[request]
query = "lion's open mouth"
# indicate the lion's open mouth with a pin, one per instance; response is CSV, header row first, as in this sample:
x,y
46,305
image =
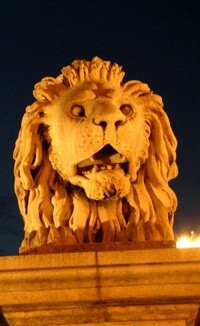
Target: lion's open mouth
x,y
106,159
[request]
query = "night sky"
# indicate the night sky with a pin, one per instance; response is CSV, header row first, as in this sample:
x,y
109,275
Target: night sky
x,y
156,41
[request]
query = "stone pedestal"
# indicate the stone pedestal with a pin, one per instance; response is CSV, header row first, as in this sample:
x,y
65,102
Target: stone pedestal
x,y
155,287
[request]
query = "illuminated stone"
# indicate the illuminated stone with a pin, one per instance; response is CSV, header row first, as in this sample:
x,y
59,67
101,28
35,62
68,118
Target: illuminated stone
x,y
118,288
93,160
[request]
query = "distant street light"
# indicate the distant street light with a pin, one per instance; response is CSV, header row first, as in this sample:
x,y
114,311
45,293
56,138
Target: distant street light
x,y
192,241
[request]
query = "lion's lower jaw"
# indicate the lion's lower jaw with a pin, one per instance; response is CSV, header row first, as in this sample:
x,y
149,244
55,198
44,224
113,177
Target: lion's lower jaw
x,y
107,184
59,239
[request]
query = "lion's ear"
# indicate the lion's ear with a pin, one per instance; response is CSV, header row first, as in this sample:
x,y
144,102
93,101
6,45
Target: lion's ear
x,y
135,88
48,89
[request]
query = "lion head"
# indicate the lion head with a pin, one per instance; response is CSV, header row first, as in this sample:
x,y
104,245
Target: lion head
x,y
93,160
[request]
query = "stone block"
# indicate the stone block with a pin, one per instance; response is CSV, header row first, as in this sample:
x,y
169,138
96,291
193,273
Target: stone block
x,y
156,287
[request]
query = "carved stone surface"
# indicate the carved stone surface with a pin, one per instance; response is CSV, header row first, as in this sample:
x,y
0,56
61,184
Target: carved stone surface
x,y
93,160
114,288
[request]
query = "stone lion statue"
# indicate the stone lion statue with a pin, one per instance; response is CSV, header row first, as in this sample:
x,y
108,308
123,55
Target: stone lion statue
x,y
93,160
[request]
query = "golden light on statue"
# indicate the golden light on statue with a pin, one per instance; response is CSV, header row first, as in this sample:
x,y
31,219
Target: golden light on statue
x,y
93,161
192,241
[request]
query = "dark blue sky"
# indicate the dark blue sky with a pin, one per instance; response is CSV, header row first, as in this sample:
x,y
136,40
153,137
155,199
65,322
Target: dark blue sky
x,y
155,41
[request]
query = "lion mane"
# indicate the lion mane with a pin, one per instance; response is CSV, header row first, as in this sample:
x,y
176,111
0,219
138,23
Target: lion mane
x,y
58,205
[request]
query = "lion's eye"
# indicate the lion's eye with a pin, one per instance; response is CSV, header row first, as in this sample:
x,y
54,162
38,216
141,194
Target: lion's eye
x,y
127,110
77,111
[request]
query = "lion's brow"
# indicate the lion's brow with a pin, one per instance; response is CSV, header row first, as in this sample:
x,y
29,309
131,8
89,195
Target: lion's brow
x,y
83,94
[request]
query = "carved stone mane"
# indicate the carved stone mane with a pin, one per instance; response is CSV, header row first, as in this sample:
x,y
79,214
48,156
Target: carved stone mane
x,y
93,160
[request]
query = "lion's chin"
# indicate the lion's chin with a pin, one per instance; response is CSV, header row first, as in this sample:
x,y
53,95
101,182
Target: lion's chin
x,y
104,185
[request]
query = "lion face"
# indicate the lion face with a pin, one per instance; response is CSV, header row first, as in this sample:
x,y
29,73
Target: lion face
x,y
97,135
93,160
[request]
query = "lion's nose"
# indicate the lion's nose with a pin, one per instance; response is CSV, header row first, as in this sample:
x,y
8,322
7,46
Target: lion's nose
x,y
106,120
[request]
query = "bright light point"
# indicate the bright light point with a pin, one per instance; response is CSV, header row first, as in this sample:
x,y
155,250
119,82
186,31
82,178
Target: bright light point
x,y
188,242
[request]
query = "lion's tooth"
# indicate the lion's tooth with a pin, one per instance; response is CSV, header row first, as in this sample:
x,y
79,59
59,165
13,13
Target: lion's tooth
x,y
109,167
95,169
102,167
73,171
117,166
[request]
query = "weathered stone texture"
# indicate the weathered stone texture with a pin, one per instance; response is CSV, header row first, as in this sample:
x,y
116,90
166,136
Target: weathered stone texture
x,y
93,160
134,287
